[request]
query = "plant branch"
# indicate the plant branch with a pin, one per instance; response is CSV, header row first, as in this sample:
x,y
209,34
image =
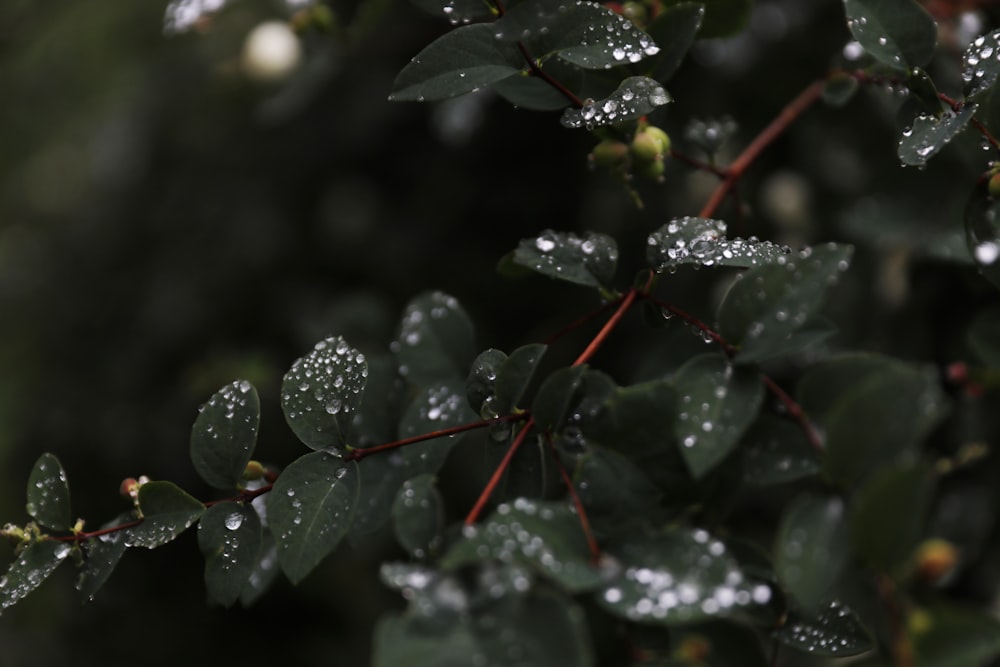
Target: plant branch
x,y
734,172
623,306
595,551
579,322
491,486
360,453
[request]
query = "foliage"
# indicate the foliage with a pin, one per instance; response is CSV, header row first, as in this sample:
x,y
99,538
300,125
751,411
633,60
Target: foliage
x,y
616,503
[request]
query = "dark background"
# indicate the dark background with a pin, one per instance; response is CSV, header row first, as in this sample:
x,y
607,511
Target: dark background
x,y
168,224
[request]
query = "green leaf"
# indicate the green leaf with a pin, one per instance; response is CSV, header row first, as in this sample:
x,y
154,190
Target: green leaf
x,y
515,374
310,509
680,576
716,403
702,241
589,260
480,386
555,396
382,402
982,233
48,494
981,64
229,536
37,561
103,554
264,572
526,91
636,96
418,516
544,535
723,18
674,30
930,133
810,550
321,392
955,636
167,511
833,631
983,336
870,410
460,61
398,640
225,433
766,305
923,90
615,491
776,451
897,33
582,33
888,514
435,340
436,407
456,11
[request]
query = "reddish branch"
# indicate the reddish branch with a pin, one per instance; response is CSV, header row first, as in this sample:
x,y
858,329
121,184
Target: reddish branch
x,y
358,454
595,551
498,473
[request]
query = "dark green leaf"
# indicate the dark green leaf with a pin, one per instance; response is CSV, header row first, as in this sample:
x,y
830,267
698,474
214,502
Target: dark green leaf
x,y
716,403
418,516
636,96
545,535
981,64
382,402
310,509
703,241
103,554
48,494
38,560
321,392
680,576
983,336
888,514
436,407
588,260
952,636
480,386
614,490
265,571
929,134
225,433
555,397
833,631
923,90
897,33
167,511
723,18
229,536
767,304
982,233
515,375
435,340
674,30
870,410
810,551
456,11
399,641
461,61
535,94
777,451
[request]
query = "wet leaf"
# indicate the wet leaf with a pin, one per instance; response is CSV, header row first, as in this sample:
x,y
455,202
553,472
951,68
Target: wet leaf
x,y
776,451
103,554
167,511
768,304
703,241
588,260
680,576
953,636
810,550
716,403
897,33
264,572
400,641
436,407
982,233
674,30
582,33
435,340
229,537
544,535
555,397
923,90
38,560
833,631
456,11
981,64
636,96
460,61
870,410
614,490
888,514
321,392
310,509
418,516
48,494
515,374
382,402
723,18
526,91
929,134
225,433
480,386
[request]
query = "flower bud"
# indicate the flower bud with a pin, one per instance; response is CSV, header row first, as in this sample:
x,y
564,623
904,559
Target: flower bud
x,y
935,560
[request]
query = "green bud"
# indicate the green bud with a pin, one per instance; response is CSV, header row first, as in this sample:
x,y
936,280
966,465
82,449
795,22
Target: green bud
x,y
609,153
661,137
652,171
253,471
646,147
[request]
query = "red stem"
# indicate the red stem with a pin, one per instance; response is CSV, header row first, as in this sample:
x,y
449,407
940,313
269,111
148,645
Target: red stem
x,y
360,453
498,473
595,551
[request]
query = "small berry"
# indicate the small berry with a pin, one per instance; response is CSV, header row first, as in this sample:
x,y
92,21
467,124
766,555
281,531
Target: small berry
x,y
660,136
651,170
646,147
935,560
609,153
129,487
994,185
634,12
253,471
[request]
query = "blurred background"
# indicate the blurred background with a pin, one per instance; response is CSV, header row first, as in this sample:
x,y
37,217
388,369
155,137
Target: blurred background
x,y
174,214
